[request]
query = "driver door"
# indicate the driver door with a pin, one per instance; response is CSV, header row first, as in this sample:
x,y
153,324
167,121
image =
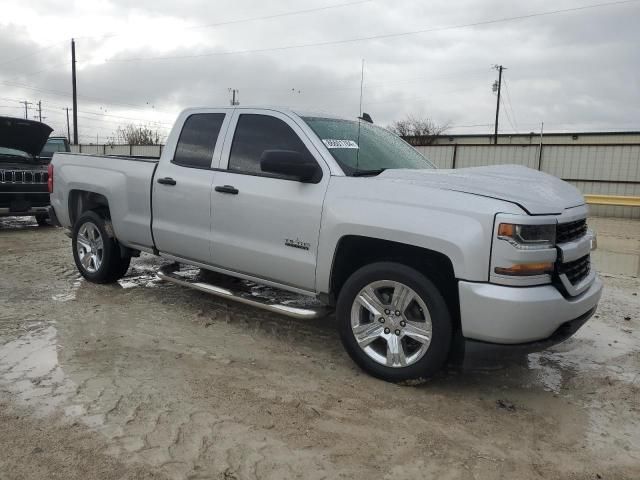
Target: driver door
x,y
264,225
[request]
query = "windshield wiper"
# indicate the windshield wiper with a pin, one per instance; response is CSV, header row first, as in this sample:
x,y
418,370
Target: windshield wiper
x,y
368,173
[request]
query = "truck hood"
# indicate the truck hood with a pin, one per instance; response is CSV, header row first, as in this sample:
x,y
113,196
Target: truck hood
x,y
538,193
24,135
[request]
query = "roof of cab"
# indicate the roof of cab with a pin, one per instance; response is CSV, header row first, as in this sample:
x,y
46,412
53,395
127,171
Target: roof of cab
x,y
277,108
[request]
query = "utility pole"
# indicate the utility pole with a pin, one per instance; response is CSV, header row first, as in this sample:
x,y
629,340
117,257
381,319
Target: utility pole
x,y
540,146
40,110
26,108
234,91
68,130
75,94
497,86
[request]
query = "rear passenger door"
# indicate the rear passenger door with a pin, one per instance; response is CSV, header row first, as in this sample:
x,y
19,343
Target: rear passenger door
x,y
264,225
182,187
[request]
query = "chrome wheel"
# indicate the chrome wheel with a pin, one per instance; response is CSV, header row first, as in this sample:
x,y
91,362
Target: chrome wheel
x,y
391,323
90,247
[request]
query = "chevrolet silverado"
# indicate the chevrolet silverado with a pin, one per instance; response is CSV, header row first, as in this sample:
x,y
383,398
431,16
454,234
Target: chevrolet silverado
x,y
409,256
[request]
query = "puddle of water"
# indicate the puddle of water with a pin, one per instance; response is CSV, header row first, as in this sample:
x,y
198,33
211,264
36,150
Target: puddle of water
x,y
29,368
596,347
15,223
139,281
142,273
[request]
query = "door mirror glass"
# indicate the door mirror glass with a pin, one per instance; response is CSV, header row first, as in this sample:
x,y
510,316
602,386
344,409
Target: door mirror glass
x,y
290,164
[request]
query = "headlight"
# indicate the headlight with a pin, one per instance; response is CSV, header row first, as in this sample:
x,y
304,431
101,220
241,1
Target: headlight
x,y
528,237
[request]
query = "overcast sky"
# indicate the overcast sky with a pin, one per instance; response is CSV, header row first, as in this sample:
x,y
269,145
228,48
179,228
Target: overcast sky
x,y
141,62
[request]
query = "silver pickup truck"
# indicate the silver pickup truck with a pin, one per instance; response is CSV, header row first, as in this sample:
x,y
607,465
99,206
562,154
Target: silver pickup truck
x,y
409,256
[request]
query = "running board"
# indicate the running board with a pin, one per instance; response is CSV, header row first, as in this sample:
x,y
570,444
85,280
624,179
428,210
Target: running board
x,y
245,292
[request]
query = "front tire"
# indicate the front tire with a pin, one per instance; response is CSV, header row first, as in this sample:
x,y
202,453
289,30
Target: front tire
x,y
97,255
394,322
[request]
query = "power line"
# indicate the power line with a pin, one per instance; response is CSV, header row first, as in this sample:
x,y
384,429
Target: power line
x,y
60,93
194,27
26,108
466,73
506,113
113,122
37,52
508,95
339,87
51,67
378,37
280,15
473,125
101,114
244,20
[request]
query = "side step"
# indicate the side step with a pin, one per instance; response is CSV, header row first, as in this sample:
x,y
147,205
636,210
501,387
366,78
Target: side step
x,y
243,291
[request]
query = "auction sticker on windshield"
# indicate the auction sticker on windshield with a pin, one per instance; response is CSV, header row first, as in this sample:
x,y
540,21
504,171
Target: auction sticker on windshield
x,y
332,143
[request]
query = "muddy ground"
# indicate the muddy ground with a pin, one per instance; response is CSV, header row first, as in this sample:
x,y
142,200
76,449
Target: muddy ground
x,y
149,380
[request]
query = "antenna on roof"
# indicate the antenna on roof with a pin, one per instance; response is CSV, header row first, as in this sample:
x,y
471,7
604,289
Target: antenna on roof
x,y
361,85
360,115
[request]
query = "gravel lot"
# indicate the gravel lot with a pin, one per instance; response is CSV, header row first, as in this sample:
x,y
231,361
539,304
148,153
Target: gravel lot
x,y
144,379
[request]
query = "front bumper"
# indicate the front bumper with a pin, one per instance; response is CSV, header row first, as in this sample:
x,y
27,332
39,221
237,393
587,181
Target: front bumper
x,y
514,315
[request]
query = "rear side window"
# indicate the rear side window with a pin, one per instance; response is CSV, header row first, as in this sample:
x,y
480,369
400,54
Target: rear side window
x,y
198,140
257,133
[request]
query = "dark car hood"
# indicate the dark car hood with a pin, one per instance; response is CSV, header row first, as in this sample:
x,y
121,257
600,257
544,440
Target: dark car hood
x,y
24,135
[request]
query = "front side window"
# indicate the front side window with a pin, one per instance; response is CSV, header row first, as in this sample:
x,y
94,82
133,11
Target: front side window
x,y
198,140
359,146
257,133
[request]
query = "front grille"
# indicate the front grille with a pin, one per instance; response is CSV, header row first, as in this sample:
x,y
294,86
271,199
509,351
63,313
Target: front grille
x,y
568,232
576,270
23,176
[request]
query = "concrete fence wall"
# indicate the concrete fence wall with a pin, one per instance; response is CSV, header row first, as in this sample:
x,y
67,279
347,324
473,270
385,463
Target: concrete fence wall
x,y
126,150
594,169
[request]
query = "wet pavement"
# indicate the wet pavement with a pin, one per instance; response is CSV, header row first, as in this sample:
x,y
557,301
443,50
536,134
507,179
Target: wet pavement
x,y
144,379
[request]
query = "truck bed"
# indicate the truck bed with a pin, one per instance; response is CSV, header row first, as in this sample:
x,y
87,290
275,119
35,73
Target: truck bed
x,y
125,181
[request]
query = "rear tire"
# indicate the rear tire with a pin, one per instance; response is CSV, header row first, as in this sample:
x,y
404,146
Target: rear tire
x,y
97,255
394,322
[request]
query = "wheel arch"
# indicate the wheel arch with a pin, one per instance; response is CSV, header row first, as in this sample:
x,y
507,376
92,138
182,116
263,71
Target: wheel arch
x,y
81,201
353,252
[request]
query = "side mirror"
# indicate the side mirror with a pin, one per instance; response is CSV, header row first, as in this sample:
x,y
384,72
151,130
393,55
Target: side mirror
x,y
290,164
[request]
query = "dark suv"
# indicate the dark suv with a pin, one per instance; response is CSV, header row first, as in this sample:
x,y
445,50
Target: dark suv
x,y
25,152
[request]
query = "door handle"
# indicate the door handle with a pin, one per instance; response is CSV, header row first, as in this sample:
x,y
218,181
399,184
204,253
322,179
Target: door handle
x,y
167,181
227,189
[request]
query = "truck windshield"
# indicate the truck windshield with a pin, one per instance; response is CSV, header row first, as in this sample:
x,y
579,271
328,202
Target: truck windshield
x,y
52,146
372,149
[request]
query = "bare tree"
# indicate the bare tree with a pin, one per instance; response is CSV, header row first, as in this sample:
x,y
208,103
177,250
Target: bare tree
x,y
418,131
136,135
